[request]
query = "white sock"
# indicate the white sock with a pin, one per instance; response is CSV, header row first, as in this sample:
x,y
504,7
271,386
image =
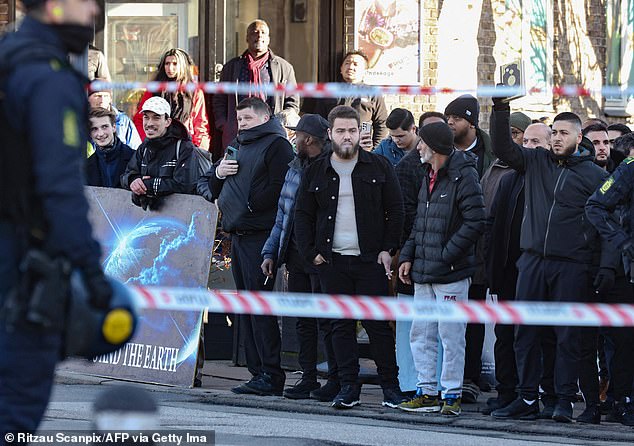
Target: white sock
x,y
529,402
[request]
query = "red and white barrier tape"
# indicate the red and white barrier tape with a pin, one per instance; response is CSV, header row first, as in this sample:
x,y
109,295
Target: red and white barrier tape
x,y
382,308
328,90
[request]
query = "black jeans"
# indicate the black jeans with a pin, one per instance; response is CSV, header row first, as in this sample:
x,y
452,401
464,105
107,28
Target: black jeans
x,y
260,334
303,278
474,337
350,275
549,280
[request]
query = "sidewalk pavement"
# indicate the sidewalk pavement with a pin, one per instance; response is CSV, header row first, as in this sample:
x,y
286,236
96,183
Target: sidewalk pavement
x,y
220,376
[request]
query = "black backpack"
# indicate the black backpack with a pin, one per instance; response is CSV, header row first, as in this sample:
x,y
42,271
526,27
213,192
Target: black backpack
x,y
201,162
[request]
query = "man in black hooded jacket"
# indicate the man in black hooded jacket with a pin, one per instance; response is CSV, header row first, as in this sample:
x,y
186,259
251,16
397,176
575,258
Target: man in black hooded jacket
x,y
557,245
247,186
162,163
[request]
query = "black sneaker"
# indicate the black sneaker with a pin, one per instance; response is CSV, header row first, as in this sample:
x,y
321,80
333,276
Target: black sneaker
x,y
592,415
470,392
622,412
392,397
243,389
563,412
263,385
348,397
327,392
497,403
518,410
301,390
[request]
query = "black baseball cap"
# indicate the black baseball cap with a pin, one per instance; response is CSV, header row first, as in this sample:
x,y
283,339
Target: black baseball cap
x,y
314,125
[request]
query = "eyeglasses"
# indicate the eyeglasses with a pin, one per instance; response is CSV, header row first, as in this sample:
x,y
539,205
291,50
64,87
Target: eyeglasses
x,y
516,133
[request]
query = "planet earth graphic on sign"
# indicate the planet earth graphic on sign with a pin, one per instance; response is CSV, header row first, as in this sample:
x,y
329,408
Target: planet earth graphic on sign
x,y
155,252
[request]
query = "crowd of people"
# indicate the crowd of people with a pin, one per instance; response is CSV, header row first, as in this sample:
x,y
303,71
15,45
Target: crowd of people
x,y
352,200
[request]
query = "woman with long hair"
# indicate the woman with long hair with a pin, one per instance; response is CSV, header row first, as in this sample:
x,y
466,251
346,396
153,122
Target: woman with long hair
x,y
187,107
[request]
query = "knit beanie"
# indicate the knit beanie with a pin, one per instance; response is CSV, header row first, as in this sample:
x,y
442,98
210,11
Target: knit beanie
x,y
465,106
438,136
520,121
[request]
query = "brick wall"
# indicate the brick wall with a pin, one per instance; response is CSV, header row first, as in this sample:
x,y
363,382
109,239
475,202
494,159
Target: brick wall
x,y
4,13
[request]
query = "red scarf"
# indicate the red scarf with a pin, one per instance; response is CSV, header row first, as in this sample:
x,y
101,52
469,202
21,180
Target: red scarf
x,y
254,66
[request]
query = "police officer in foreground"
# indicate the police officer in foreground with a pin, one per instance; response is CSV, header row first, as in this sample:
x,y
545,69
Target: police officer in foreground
x,y
44,230
616,196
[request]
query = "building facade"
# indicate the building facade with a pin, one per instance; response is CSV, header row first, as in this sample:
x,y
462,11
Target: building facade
x,y
449,43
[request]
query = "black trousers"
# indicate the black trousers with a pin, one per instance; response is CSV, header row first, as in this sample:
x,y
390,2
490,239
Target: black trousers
x,y
260,334
303,278
503,351
549,280
474,336
621,364
350,275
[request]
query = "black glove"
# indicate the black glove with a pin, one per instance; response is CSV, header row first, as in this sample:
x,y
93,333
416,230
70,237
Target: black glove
x,y
604,281
501,103
98,287
140,201
628,250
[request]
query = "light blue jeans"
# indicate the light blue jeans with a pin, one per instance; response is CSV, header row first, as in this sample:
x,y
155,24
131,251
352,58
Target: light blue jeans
x,y
424,340
407,375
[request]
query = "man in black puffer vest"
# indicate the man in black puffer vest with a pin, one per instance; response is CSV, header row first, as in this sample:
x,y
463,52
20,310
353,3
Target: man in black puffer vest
x,y
439,257
248,188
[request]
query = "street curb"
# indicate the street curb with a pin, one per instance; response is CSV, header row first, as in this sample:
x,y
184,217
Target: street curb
x,y
467,421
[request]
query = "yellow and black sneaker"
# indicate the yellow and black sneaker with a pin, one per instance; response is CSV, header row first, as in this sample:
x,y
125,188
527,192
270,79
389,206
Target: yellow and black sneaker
x,y
451,406
421,402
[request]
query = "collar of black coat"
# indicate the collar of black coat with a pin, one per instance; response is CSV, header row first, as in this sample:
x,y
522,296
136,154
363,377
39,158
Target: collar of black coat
x,y
454,164
365,157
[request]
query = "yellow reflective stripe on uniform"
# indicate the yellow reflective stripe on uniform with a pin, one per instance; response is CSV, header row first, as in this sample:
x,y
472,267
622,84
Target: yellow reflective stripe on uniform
x,y
71,128
629,159
608,184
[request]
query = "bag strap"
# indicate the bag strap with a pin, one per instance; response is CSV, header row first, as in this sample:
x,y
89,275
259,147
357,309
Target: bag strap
x,y
178,148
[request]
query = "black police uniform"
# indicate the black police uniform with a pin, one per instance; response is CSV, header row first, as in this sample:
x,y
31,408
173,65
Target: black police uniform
x,y
617,192
45,107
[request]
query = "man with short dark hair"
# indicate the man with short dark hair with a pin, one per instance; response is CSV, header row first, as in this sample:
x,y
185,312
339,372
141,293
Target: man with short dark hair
x,y
431,116
615,131
105,167
257,65
371,109
126,131
161,165
247,188
558,248
349,215
597,134
311,135
403,138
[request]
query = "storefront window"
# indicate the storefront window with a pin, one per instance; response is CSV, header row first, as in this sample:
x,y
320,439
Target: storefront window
x,y
137,34
620,52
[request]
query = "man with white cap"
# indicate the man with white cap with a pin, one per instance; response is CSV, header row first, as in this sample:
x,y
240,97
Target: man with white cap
x,y
161,165
439,258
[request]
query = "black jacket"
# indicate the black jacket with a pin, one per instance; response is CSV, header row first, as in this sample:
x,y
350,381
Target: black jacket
x,y
97,171
448,223
157,159
555,225
248,199
504,223
378,207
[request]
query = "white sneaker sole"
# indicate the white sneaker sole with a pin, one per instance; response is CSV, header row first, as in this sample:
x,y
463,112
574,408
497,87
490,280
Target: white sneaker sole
x,y
432,409
342,405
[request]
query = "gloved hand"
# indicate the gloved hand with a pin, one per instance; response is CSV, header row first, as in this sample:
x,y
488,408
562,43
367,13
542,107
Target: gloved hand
x,y
98,287
604,281
501,103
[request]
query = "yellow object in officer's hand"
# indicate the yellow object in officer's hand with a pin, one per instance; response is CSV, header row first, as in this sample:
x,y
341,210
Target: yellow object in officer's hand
x,y
117,326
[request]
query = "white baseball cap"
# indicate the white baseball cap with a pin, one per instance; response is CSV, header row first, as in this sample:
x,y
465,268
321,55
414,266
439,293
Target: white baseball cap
x,y
157,105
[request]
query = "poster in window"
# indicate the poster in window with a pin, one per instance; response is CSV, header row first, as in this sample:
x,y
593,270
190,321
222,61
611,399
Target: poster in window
x,y
388,32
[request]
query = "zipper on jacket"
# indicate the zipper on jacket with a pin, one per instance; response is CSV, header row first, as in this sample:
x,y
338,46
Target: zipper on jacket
x,y
550,214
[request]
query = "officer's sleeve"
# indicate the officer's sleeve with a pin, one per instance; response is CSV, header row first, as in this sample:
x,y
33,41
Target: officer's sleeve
x,y
601,205
55,112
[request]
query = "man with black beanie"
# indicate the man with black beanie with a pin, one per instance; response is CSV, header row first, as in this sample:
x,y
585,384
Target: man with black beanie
x,y
439,257
463,114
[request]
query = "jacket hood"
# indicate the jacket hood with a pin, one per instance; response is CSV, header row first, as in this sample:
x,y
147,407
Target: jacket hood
x,y
585,152
457,161
175,131
271,127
